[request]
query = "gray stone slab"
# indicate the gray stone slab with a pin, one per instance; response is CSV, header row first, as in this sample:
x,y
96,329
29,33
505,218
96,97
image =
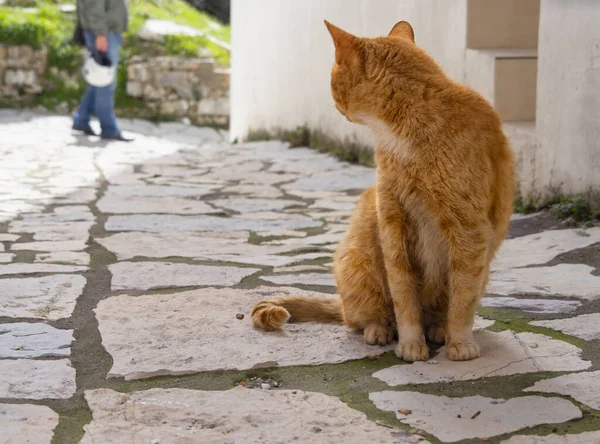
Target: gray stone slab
x,y
176,334
6,258
302,279
5,237
158,223
55,231
575,280
256,191
235,416
543,306
20,268
116,204
579,438
143,190
586,326
244,205
320,239
583,387
269,260
63,257
34,379
180,244
74,245
502,353
27,423
352,178
539,248
23,340
439,415
49,297
147,275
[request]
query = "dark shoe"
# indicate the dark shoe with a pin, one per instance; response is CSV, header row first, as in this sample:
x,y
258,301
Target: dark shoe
x,y
119,137
88,131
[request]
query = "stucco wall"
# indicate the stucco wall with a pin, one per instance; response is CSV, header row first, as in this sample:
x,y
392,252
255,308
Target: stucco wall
x,y
282,55
568,99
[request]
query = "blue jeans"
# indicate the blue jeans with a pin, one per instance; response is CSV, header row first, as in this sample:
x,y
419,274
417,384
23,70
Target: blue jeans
x,y
100,101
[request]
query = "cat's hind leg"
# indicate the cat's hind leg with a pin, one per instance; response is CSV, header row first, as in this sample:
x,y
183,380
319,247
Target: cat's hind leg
x,y
360,275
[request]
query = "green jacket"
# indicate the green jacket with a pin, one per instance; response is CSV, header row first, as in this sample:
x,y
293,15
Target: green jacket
x,y
103,16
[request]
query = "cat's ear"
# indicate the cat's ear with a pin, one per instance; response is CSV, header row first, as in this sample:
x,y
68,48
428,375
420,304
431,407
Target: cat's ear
x,y
402,30
346,45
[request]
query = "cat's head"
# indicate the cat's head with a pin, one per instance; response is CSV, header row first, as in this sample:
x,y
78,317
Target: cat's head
x,y
370,72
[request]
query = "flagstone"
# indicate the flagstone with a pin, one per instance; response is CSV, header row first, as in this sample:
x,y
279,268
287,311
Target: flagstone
x,y
24,340
6,258
270,260
21,268
27,423
116,204
586,326
158,223
302,278
502,354
539,248
147,275
351,178
176,334
583,387
72,245
237,415
49,297
575,280
578,438
245,205
64,257
453,419
543,306
35,379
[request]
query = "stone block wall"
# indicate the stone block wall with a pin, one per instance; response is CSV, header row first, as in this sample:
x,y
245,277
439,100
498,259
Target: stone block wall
x,y
173,87
184,87
22,70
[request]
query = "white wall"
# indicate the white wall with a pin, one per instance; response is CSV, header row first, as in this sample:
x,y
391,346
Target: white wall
x,y
568,99
282,55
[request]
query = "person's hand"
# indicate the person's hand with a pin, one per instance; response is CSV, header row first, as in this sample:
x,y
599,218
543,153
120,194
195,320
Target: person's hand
x,y
102,43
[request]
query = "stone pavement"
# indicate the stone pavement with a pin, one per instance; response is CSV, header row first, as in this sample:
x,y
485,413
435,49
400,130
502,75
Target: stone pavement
x,y
128,271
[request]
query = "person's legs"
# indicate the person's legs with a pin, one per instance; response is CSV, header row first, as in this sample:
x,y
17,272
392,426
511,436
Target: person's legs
x,y
81,119
105,97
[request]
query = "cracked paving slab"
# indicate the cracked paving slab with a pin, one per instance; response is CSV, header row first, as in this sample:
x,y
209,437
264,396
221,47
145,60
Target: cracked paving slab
x,y
237,415
504,353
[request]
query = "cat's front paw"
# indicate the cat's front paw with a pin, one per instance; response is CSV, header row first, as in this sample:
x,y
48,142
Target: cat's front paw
x,y
413,351
462,351
377,334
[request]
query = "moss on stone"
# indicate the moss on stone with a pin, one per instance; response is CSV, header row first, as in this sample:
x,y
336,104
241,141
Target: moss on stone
x,y
302,136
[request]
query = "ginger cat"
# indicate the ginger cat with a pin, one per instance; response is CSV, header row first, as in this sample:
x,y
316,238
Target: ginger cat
x,y
416,257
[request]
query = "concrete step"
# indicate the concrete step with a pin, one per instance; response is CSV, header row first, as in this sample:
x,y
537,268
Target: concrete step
x,y
502,23
507,77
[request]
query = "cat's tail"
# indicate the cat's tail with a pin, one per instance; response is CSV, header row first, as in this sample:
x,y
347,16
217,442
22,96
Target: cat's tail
x,y
271,314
